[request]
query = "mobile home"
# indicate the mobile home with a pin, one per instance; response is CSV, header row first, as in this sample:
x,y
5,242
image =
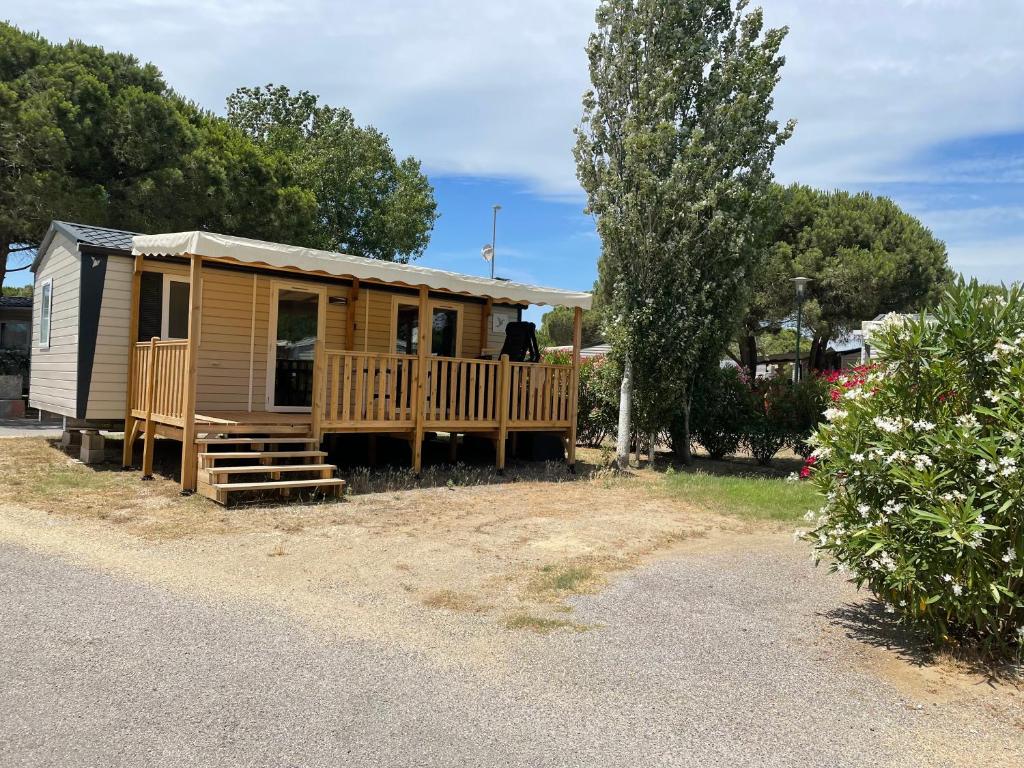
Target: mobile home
x,y
249,352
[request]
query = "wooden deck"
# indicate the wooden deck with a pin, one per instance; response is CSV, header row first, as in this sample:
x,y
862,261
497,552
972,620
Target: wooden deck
x,y
363,392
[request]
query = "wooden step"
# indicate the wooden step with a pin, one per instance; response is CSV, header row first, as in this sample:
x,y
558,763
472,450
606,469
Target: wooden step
x,y
270,468
332,482
262,455
255,440
219,491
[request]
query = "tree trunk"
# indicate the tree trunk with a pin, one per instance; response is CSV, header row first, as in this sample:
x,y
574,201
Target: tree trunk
x,y
686,454
748,354
5,252
652,441
625,416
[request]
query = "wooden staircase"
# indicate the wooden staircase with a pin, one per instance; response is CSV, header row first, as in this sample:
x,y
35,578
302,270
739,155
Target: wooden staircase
x,y
276,463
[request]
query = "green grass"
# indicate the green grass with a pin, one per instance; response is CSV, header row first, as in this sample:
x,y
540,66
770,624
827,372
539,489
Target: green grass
x,y
749,496
540,624
563,579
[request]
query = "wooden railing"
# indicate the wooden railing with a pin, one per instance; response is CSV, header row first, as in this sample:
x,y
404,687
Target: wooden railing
x,y
368,391
462,392
539,394
158,380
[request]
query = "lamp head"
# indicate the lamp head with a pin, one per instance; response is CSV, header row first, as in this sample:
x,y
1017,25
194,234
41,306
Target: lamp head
x,y
801,285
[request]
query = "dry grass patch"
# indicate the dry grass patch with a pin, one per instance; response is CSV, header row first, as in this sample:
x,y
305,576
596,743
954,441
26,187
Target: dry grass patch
x,y
564,579
540,624
452,600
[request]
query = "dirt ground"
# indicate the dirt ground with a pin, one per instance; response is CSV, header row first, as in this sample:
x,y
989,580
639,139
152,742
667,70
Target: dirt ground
x,y
440,567
505,551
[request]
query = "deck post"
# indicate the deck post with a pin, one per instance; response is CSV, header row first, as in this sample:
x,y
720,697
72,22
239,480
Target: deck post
x,y
150,433
130,423
423,356
189,458
504,390
316,411
574,395
350,315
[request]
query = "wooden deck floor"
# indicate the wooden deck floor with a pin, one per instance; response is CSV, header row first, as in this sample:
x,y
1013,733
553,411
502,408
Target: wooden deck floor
x,y
240,418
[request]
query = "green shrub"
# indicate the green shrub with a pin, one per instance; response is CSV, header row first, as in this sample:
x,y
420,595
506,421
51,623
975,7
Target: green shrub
x,y
720,411
598,415
922,464
768,427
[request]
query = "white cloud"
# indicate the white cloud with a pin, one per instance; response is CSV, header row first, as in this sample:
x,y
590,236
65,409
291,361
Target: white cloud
x,y
494,88
994,260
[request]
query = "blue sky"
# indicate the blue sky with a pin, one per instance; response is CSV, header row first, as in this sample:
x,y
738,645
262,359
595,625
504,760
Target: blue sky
x,y
921,100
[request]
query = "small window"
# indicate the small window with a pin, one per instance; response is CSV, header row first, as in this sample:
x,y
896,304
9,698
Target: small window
x,y
45,314
174,323
408,329
446,332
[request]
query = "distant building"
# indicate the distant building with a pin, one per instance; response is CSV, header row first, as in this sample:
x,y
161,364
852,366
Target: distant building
x,y
16,322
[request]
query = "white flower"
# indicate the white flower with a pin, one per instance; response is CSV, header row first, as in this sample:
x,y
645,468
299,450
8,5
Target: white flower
x,y
857,458
993,396
1010,556
923,426
886,425
834,414
892,507
967,420
852,394
822,452
947,578
896,456
889,608
809,515
792,477
798,534
957,590
921,462
1020,632
864,510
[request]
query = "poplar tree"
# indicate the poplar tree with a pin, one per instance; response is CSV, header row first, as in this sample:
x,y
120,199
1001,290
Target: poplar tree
x,y
674,149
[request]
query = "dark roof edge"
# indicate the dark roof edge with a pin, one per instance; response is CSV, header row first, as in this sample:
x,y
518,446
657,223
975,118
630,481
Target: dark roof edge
x,y
65,229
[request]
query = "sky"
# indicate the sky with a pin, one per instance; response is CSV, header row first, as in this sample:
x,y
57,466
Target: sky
x,y
920,100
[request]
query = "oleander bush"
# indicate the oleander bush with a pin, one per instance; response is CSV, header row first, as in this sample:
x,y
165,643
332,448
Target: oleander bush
x,y
920,462
598,414
720,410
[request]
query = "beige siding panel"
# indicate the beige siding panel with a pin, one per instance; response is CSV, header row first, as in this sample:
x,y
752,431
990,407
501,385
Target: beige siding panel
x,y
109,385
225,349
53,378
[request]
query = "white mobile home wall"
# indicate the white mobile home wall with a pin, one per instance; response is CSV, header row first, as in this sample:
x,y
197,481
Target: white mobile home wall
x,y
54,375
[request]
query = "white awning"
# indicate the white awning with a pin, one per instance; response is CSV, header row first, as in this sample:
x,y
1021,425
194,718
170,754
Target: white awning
x,y
241,249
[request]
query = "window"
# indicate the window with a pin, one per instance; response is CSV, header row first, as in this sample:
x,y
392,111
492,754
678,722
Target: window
x,y
174,323
14,335
407,335
445,331
445,340
45,313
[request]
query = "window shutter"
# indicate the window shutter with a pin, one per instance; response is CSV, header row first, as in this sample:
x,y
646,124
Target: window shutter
x,y
151,294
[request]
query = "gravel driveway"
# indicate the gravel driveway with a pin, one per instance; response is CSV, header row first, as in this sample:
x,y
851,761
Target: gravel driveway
x,y
716,659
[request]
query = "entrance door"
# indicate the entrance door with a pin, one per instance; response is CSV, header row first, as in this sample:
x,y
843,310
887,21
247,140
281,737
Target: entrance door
x,y
295,321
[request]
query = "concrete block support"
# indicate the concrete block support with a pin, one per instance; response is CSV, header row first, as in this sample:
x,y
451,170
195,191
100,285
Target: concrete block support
x,y
93,447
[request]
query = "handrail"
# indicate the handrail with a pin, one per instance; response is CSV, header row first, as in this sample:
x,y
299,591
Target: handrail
x,y
378,391
158,379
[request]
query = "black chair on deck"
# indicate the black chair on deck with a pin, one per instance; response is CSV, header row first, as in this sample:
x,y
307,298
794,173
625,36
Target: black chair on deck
x,y
521,343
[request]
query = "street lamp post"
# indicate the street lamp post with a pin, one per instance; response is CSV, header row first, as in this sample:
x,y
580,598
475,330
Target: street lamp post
x,y
494,236
801,287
